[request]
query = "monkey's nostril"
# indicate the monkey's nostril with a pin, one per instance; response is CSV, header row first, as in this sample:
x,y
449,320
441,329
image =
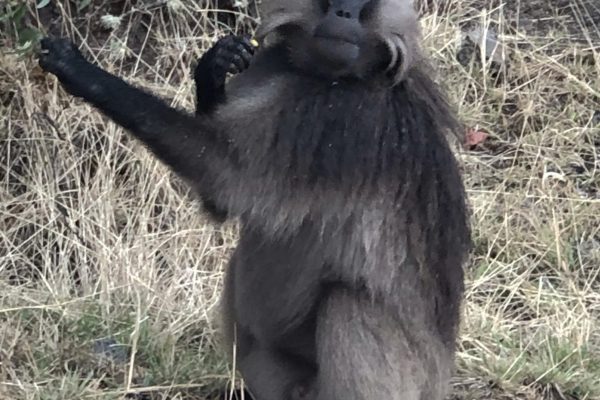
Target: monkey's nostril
x,y
343,14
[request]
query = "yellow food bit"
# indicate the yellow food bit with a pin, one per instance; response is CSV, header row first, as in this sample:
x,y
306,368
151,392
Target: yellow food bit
x,y
254,42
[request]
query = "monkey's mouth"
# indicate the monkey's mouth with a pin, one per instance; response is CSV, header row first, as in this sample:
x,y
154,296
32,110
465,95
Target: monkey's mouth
x,y
338,52
338,41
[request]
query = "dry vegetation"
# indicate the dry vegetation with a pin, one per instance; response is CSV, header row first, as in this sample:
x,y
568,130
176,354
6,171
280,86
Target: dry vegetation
x,y
109,275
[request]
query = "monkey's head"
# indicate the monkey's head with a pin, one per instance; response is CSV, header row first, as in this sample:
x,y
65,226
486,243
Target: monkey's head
x,y
345,38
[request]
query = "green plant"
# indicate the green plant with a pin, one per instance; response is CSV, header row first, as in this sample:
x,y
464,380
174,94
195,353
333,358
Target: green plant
x,y
12,17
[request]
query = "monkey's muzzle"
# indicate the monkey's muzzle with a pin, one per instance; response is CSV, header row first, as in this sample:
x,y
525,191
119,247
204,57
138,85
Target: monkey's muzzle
x,y
337,40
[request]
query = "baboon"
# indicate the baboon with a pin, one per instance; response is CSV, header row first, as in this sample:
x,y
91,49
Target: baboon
x,y
331,145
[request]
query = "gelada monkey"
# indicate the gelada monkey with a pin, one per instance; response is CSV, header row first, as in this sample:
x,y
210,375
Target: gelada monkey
x,y
331,145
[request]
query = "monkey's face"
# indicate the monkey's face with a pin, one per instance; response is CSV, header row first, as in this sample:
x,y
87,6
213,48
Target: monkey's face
x,y
345,38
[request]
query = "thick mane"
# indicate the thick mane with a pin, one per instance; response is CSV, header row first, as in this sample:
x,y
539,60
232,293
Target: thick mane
x,y
358,151
393,144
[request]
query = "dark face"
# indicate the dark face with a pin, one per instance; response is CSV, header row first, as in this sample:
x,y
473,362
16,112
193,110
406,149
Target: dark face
x,y
345,38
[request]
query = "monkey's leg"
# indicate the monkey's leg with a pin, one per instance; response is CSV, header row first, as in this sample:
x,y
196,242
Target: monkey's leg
x,y
271,317
231,54
272,375
190,147
269,372
364,352
276,368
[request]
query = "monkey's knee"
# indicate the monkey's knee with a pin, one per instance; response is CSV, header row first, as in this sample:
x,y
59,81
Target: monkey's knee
x,y
271,375
303,390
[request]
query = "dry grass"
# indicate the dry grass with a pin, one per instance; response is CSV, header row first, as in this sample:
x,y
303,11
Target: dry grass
x,y
100,244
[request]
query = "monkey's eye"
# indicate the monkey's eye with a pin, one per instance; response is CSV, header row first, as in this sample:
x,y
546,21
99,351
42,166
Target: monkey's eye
x,y
324,5
368,10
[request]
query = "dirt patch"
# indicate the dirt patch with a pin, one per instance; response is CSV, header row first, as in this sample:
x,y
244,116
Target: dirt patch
x,y
578,18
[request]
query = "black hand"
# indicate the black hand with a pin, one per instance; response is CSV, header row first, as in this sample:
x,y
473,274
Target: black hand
x,y
231,54
61,58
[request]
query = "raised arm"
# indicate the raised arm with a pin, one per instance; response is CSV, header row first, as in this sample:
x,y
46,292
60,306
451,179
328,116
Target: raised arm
x,y
192,148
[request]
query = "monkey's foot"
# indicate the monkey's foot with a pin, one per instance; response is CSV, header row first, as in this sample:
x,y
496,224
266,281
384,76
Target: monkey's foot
x,y
231,54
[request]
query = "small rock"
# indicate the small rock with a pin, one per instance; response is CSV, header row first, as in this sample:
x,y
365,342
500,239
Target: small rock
x,y
110,349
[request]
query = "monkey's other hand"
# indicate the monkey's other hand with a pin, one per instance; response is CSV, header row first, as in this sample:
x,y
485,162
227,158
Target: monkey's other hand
x,y
59,56
231,54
